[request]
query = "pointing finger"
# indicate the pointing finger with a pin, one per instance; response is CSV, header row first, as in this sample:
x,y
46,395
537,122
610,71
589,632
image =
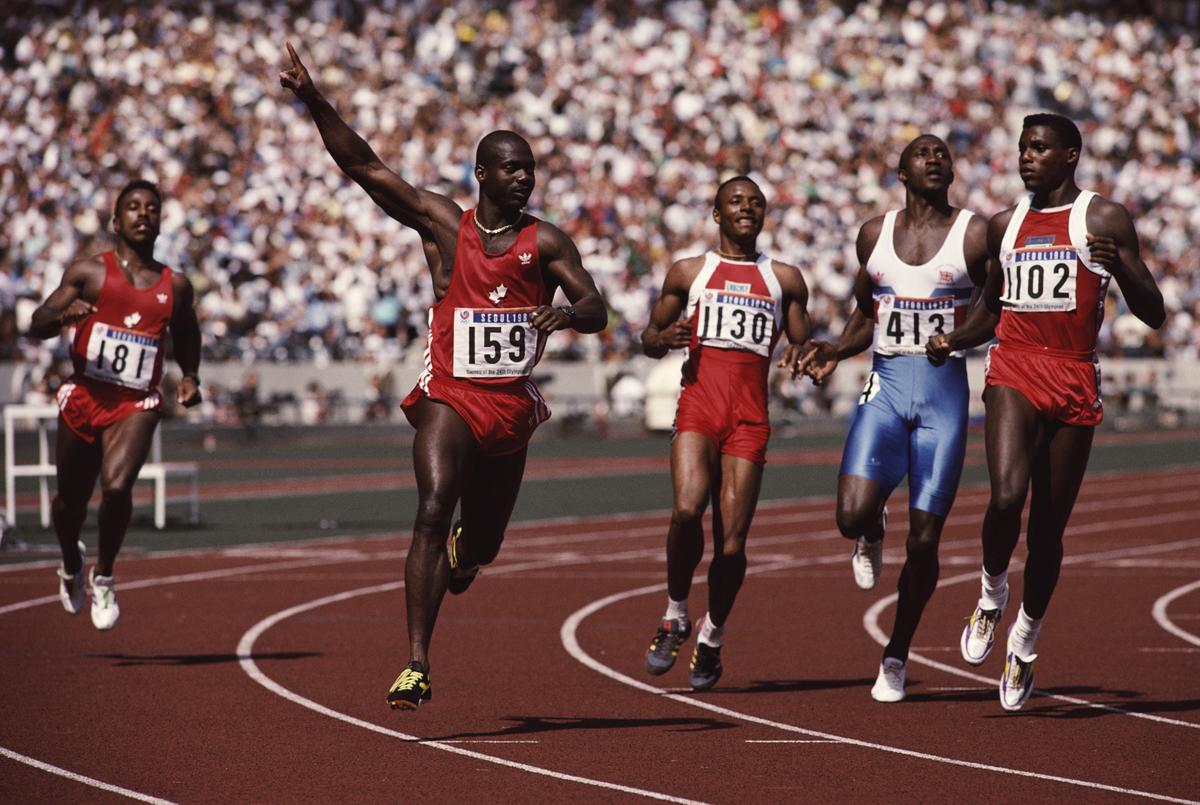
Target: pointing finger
x,y
295,59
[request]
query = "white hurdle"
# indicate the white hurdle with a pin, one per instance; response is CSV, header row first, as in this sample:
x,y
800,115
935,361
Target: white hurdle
x,y
41,417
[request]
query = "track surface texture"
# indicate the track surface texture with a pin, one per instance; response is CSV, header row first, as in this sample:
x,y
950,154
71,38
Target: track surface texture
x,y
244,670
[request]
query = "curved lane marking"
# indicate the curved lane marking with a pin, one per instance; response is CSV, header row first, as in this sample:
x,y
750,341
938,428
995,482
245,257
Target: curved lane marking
x,y
245,650
1159,611
871,616
568,635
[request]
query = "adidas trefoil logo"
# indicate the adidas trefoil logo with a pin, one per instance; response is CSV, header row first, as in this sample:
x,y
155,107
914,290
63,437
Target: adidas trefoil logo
x,y
162,298
498,294
132,319
526,258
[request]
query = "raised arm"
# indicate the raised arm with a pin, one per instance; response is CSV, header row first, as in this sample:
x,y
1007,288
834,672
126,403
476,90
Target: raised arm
x,y
68,304
563,268
666,330
1113,243
431,214
185,337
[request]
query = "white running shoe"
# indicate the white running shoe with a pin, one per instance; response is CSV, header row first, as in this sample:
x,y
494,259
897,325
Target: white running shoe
x,y
1016,686
72,589
979,634
867,559
889,685
104,601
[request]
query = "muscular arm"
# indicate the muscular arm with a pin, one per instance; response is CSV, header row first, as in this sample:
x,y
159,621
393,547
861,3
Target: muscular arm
x,y
563,268
666,331
1113,243
185,337
434,216
980,326
859,330
71,301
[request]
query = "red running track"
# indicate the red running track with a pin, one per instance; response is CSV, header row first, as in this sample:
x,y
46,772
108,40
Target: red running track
x,y
259,674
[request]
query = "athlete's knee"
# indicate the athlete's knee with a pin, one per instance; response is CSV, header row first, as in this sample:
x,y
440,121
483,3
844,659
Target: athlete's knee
x,y
733,545
116,490
854,519
433,516
1008,496
63,507
687,512
921,546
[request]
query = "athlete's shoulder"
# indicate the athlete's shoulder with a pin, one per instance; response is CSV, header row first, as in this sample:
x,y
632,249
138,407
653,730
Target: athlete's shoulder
x,y
868,235
683,272
789,277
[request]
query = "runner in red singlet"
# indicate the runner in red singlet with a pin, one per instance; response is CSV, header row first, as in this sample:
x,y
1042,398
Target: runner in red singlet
x,y
1052,257
122,303
495,271
728,308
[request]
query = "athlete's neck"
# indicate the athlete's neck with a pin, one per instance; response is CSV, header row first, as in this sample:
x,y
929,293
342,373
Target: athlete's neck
x,y
132,259
1059,196
746,251
922,210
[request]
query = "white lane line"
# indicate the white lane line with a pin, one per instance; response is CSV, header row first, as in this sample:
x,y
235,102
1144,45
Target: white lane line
x,y
1171,650
871,616
245,652
568,635
80,778
794,741
796,510
482,741
1159,611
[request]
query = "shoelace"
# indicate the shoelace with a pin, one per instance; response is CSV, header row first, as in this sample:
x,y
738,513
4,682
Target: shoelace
x,y
985,626
408,679
1015,673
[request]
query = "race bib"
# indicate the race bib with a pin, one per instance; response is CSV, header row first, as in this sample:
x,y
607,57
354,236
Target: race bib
x,y
904,325
737,321
122,357
1040,279
494,343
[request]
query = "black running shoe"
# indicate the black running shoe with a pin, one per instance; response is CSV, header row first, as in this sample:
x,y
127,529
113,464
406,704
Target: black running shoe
x,y
461,574
410,688
706,666
672,634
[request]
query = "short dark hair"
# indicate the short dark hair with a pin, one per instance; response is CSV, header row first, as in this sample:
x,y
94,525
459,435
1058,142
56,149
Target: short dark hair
x,y
1064,127
912,144
730,181
485,152
136,184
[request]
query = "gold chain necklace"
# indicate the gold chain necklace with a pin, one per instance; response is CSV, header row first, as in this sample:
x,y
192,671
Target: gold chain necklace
x,y
745,258
498,229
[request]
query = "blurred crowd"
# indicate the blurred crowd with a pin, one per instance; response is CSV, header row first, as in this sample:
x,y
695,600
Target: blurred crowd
x,y
635,111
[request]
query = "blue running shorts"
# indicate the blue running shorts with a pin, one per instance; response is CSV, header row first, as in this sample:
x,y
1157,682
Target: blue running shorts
x,y
911,419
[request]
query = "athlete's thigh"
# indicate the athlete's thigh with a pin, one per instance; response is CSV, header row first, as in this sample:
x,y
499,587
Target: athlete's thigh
x,y
491,493
741,481
77,464
125,445
876,446
1058,475
443,452
937,448
1013,433
693,459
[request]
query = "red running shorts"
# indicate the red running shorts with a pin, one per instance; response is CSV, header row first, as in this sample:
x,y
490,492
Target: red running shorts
x,y
502,417
728,406
1062,388
88,409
